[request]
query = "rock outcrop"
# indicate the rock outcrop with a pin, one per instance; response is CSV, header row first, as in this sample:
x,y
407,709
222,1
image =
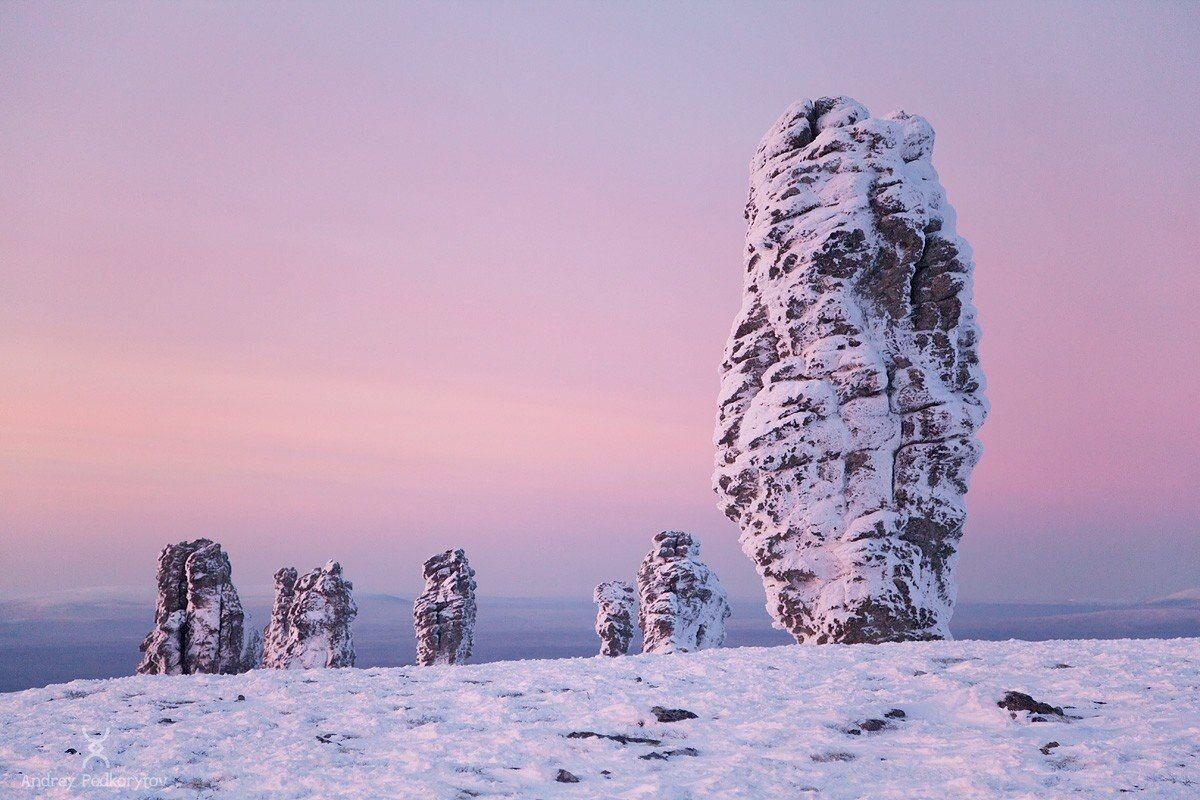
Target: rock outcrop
x,y
310,620
851,389
444,613
198,620
616,602
683,607
279,625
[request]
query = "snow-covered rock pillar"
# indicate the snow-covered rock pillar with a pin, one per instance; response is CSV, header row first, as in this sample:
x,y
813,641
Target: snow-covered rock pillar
x,y
850,388
279,625
615,601
444,613
198,619
310,620
683,606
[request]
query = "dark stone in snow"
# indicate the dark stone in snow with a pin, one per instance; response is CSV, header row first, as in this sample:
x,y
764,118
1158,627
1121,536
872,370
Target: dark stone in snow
x,y
825,758
616,737
72,751
1019,701
873,724
663,755
1047,747
671,714
565,777
895,713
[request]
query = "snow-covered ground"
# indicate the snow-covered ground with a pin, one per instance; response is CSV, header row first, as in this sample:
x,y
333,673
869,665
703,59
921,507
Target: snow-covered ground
x,y
770,722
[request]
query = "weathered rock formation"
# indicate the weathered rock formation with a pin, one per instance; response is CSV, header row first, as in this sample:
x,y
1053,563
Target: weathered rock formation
x,y
198,620
310,620
683,607
851,389
444,613
616,601
279,625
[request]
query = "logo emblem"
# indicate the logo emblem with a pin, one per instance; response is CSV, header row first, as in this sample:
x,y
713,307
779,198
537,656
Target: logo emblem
x,y
95,747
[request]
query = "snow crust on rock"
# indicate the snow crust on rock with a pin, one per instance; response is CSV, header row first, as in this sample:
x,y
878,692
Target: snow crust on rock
x,y
198,618
278,626
683,606
770,722
310,620
444,613
616,602
850,387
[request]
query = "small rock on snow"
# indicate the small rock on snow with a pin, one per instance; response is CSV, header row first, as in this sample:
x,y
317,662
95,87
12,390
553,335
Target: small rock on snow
x,y
671,714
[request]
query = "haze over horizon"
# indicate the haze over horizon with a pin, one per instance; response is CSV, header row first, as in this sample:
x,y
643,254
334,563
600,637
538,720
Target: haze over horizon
x,y
368,288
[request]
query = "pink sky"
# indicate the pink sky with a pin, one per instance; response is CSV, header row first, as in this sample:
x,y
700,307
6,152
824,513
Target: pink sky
x,y
369,284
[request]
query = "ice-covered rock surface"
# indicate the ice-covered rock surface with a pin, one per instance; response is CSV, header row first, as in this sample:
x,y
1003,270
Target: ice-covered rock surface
x,y
198,620
616,602
310,620
278,626
851,389
683,607
770,722
444,613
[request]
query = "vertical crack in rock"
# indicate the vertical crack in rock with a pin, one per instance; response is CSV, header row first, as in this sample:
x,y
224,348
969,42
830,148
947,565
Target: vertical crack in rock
x,y
310,620
683,606
615,602
851,388
198,619
444,613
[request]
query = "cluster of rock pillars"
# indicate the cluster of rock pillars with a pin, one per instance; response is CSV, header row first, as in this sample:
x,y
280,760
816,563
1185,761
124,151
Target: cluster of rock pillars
x,y
201,627
850,396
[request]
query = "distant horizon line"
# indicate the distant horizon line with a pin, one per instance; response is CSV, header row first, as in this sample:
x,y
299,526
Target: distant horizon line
x,y
137,592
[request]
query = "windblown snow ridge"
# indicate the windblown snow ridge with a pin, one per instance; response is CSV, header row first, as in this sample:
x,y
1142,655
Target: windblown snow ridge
x,y
905,720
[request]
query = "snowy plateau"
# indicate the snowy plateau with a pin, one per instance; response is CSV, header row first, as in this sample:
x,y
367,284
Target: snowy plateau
x,y
904,720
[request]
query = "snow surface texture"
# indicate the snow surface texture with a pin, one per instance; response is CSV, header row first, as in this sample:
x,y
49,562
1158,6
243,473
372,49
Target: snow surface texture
x,y
444,613
310,620
851,389
771,722
683,606
198,620
616,602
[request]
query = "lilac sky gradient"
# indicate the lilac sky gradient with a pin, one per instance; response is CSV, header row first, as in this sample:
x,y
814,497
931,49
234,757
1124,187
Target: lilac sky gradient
x,y
369,282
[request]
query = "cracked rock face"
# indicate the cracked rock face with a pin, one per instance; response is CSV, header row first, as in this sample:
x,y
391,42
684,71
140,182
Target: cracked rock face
x,y
198,620
615,601
278,626
310,620
444,613
683,606
850,388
